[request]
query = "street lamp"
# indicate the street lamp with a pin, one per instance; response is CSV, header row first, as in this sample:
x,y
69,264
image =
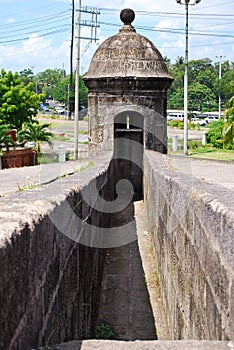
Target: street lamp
x,y
76,134
186,3
220,76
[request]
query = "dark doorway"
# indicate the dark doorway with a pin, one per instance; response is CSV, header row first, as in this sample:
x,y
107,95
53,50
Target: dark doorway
x,y
128,151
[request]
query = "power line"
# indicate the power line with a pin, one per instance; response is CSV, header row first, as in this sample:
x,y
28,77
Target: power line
x,y
223,3
35,20
173,31
43,24
30,33
174,13
26,38
54,4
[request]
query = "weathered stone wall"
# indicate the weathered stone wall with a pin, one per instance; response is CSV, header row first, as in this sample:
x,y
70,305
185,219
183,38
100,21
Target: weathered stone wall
x,y
105,104
143,345
192,230
50,284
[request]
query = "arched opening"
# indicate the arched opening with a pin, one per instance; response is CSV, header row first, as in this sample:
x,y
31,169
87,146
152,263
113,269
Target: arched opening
x,y
128,150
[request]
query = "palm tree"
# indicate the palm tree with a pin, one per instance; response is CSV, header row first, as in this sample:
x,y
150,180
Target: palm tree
x,y
228,127
37,133
5,137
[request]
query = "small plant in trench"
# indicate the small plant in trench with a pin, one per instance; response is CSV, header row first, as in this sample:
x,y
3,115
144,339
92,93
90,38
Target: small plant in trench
x,y
103,331
27,186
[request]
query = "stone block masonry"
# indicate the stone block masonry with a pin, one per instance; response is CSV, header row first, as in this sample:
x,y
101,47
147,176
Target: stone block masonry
x,y
192,226
49,285
143,345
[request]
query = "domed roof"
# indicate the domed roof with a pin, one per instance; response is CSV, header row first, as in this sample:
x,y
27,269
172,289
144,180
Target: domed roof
x,y
127,54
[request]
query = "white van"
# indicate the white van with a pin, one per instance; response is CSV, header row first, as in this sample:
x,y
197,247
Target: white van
x,y
211,118
175,116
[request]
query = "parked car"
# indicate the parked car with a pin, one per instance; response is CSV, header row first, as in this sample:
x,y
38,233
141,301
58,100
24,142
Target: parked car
x,y
44,107
60,110
175,116
199,121
210,118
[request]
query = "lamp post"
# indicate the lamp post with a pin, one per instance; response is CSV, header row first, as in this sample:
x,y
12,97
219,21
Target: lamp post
x,y
220,76
186,3
77,85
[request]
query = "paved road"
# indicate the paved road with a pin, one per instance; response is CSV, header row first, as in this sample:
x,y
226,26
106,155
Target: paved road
x,y
67,126
192,134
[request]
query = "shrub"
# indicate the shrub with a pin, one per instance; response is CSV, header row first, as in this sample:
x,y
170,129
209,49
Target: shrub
x,y
214,135
176,124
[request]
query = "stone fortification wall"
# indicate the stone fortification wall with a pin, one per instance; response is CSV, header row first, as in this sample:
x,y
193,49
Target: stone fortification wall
x,y
50,284
143,345
192,225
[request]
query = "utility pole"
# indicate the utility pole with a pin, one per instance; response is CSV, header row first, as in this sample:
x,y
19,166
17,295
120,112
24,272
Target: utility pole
x,y
92,24
186,85
186,3
71,63
77,84
220,76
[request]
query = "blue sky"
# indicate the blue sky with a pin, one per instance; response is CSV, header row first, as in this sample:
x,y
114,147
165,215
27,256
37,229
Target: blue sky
x,y
36,34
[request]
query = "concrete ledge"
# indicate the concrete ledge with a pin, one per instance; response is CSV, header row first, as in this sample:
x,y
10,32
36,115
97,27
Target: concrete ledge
x,y
142,345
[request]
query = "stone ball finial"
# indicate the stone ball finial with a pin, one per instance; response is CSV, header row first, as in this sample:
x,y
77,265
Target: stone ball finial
x,y
127,16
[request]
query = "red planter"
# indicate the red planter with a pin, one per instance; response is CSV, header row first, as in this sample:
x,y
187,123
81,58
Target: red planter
x,y
18,158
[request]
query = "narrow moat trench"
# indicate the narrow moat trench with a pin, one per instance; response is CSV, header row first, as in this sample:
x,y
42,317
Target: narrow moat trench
x,y
125,304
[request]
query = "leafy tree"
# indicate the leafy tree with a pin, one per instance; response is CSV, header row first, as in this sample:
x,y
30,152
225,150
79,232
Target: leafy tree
x,y
226,67
18,103
179,61
48,80
200,97
202,71
175,93
203,78
35,132
228,127
61,92
227,85
26,76
221,133
176,99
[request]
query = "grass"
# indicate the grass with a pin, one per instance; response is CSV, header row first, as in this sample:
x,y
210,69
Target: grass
x,y
89,165
27,187
83,132
197,150
61,138
45,158
213,154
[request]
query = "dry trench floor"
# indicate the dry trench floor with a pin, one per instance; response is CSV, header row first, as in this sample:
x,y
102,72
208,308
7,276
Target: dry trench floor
x,y
130,298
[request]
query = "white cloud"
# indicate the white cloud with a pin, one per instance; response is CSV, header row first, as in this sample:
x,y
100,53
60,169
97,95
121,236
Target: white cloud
x,y
10,20
149,5
35,51
168,24
34,44
104,4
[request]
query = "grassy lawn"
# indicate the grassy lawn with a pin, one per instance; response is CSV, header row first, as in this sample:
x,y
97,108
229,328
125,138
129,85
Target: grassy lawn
x,y
197,150
206,153
213,154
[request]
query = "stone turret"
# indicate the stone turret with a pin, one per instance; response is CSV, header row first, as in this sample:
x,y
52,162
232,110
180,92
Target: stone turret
x,y
127,74
128,54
